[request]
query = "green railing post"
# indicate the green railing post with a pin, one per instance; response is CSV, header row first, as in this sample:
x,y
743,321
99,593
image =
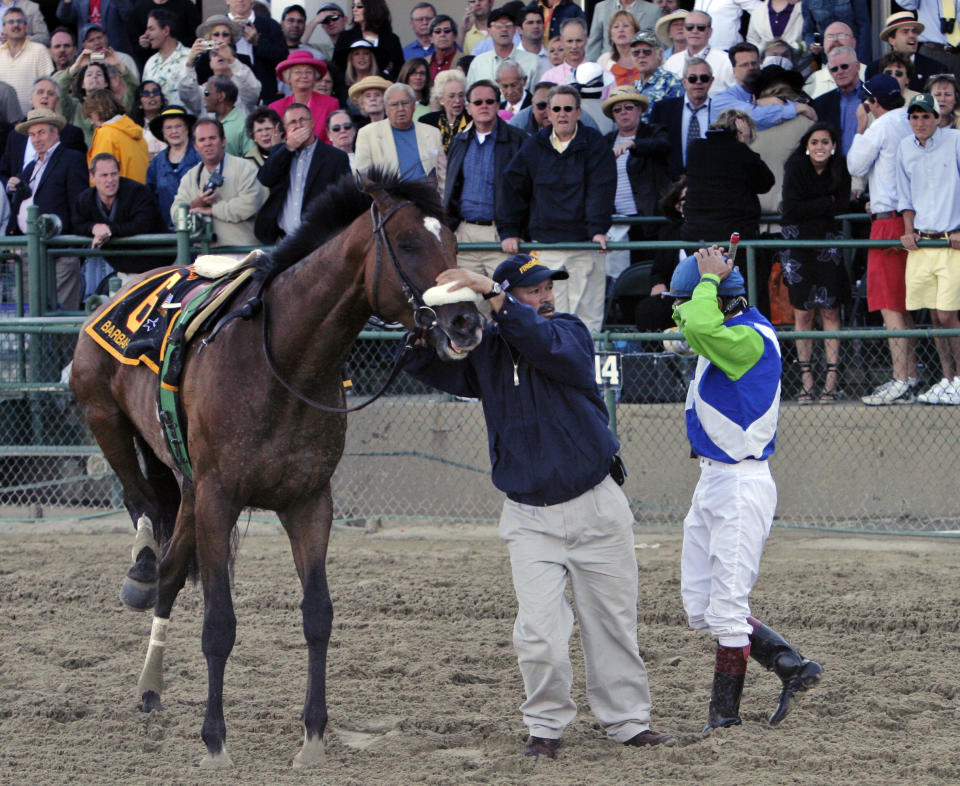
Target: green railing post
x,y
752,275
206,237
610,396
182,226
35,275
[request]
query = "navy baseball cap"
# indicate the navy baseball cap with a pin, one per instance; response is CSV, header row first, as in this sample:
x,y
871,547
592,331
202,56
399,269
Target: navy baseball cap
x,y
686,276
330,7
523,270
883,87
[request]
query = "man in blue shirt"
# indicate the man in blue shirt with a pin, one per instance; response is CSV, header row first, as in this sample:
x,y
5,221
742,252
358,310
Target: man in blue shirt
x,y
422,45
839,107
565,517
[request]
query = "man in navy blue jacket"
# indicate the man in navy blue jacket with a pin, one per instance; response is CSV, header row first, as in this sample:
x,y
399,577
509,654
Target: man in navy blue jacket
x,y
561,187
554,456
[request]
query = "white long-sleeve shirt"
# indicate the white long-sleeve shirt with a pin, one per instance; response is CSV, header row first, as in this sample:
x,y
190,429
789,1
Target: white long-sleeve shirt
x,y
725,16
874,153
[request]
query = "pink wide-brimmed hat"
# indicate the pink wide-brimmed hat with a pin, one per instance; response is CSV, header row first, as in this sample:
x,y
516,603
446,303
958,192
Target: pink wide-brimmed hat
x,y
301,57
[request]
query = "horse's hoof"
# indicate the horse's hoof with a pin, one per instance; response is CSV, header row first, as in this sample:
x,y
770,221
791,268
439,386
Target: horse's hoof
x,y
138,595
150,701
216,761
312,752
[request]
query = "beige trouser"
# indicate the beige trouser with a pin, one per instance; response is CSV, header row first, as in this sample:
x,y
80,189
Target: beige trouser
x,y
482,262
583,293
588,541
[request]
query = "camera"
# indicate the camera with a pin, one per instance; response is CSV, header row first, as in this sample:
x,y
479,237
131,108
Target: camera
x,y
818,39
215,181
97,57
207,44
946,25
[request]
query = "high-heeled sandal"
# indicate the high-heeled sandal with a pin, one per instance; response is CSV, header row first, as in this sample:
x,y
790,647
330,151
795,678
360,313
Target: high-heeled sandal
x,y
830,395
806,395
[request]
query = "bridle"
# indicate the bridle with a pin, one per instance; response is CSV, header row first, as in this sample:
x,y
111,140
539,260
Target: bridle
x,y
424,317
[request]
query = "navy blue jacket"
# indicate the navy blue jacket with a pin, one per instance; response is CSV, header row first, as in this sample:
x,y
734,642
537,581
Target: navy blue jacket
x,y
553,197
548,433
508,142
62,182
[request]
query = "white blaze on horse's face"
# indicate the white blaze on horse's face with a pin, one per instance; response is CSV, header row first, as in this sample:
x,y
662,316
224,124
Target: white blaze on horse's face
x,y
433,226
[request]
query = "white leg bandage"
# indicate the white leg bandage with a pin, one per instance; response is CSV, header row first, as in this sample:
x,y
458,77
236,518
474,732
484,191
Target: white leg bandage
x,y
151,678
144,539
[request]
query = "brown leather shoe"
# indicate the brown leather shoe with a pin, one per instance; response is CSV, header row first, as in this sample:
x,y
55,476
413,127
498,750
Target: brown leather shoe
x,y
650,737
537,746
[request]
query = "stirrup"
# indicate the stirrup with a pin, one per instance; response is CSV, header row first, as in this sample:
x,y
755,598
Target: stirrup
x,y
806,395
831,396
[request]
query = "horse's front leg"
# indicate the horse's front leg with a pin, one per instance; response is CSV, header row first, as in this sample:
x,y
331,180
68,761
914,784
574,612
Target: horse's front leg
x,y
214,517
308,527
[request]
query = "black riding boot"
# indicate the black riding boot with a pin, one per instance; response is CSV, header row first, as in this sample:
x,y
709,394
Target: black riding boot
x,y
775,654
728,676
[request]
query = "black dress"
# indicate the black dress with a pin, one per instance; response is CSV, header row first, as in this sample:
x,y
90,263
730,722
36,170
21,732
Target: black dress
x,y
815,277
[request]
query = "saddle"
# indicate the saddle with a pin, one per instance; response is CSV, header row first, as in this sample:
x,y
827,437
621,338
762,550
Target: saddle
x,y
154,323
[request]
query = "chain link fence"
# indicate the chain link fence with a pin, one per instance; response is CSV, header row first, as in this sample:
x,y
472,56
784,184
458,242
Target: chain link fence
x,y
417,453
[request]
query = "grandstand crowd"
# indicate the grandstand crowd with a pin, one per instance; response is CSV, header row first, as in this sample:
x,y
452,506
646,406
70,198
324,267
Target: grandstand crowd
x,y
536,124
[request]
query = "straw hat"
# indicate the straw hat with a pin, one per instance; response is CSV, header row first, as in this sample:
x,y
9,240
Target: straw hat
x,y
35,116
897,20
663,26
372,82
219,19
621,94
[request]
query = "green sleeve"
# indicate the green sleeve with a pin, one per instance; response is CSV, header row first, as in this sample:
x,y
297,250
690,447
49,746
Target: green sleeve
x,y
735,349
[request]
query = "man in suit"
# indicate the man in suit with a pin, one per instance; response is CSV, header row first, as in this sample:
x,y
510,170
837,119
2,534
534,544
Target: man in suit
x,y
297,170
688,117
902,33
839,106
477,160
52,182
512,82
18,151
263,43
413,149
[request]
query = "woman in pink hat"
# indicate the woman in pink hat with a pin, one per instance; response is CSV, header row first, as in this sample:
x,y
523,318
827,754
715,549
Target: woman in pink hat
x,y
302,71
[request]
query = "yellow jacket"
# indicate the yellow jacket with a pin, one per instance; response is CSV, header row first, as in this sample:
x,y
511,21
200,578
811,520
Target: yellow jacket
x,y
124,138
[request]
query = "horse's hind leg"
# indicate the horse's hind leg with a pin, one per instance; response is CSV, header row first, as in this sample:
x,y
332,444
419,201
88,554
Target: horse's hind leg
x,y
308,527
174,568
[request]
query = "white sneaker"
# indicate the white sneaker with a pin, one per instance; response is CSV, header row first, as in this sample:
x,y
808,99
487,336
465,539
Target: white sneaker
x,y
944,392
896,391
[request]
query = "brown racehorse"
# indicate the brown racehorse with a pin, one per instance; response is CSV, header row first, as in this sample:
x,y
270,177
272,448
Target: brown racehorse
x,y
361,250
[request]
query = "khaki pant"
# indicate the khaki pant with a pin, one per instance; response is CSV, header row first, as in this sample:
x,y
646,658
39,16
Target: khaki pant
x,y
587,541
70,283
482,262
583,293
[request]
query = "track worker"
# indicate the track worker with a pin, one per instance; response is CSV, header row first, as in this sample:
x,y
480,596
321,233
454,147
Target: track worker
x,y
732,409
565,517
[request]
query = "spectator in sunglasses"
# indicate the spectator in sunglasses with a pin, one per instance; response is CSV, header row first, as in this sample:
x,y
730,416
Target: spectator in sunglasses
x,y
839,106
698,30
560,187
688,117
898,65
443,34
323,31
501,23
837,34
476,163
342,133
654,81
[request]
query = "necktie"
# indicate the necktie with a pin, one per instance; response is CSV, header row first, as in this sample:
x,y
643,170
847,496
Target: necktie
x,y
948,12
693,130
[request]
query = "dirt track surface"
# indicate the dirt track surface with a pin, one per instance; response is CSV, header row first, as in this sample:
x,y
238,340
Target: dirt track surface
x,y
423,684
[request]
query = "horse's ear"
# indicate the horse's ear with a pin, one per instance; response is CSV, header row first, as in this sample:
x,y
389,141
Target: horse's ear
x,y
433,180
364,183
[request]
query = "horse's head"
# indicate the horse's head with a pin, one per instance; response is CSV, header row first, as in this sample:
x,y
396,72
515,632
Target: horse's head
x,y
411,247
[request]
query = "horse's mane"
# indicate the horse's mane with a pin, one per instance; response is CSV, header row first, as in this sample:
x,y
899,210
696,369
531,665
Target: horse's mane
x,y
337,207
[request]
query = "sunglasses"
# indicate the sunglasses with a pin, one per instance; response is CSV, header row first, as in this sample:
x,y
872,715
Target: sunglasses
x,y
482,101
626,106
841,66
329,20
541,105
151,92
341,127
443,30
702,78
894,71
562,108
637,51
701,28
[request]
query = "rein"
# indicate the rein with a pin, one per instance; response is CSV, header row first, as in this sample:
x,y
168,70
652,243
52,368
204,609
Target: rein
x,y
424,316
